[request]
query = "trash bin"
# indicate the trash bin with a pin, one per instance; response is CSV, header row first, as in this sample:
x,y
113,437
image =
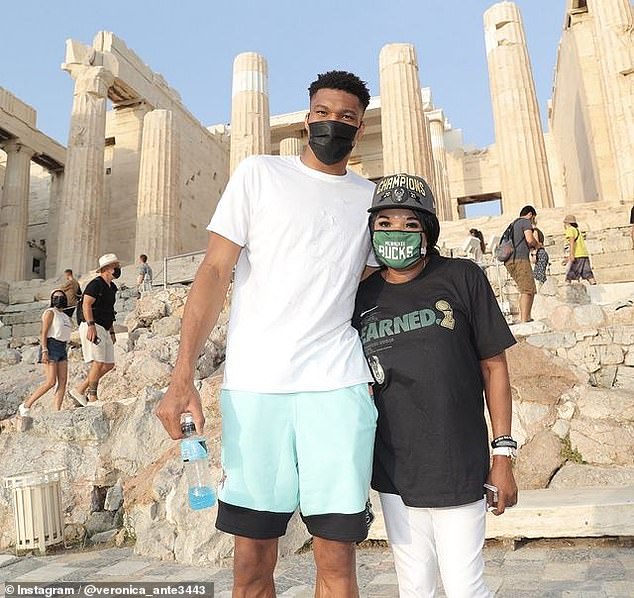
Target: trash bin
x,y
37,509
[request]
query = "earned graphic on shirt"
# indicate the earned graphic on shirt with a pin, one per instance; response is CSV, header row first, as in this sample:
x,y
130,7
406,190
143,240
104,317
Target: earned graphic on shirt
x,y
379,328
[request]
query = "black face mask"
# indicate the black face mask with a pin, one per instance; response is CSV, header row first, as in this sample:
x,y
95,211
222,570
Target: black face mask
x,y
331,140
116,272
59,301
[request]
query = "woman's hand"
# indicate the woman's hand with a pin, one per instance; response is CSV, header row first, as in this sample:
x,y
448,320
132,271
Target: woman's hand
x,y
44,356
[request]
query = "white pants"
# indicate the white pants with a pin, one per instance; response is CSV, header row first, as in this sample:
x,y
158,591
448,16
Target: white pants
x,y
425,540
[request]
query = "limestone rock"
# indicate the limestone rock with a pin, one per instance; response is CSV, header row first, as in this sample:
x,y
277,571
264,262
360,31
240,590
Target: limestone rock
x,y
535,376
149,308
132,323
574,475
603,442
561,428
538,460
114,497
100,521
104,537
562,317
598,403
169,326
73,425
9,357
589,316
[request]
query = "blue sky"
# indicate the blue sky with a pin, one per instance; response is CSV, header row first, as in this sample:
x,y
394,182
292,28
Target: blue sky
x,y
192,43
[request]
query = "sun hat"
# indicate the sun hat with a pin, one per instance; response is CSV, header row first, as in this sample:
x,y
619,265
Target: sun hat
x,y
106,260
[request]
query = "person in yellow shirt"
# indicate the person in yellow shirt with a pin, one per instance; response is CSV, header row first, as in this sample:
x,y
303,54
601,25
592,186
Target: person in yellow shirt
x,y
578,262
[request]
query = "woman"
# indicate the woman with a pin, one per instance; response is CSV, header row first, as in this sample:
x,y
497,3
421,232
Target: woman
x,y
54,337
578,260
475,246
541,257
434,338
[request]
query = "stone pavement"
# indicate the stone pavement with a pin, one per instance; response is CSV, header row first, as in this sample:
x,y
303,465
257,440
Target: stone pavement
x,y
580,568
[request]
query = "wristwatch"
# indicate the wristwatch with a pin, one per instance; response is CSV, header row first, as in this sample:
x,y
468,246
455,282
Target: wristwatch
x,y
90,323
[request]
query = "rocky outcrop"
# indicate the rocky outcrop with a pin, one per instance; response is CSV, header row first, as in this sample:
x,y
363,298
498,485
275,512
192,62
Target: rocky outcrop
x,y
124,473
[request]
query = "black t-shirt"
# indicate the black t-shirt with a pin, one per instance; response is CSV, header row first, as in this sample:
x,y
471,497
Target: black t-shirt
x,y
105,296
424,340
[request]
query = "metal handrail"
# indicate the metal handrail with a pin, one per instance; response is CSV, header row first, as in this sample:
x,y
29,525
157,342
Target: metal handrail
x,y
175,257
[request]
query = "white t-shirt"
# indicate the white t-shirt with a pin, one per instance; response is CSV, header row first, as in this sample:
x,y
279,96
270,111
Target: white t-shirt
x,y
305,241
60,327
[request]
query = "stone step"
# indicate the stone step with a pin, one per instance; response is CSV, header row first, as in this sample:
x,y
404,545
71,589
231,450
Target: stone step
x,y
554,513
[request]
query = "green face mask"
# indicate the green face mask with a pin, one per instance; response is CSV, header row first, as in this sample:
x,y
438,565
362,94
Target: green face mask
x,y
398,249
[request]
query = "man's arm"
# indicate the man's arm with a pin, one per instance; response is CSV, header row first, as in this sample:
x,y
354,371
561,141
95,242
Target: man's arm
x,y
531,241
204,303
497,391
86,306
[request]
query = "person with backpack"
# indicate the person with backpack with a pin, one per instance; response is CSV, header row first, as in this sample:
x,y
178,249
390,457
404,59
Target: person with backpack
x,y
578,262
518,264
96,330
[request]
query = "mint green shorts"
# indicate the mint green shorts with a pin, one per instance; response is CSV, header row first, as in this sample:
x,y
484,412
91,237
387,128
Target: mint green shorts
x,y
311,450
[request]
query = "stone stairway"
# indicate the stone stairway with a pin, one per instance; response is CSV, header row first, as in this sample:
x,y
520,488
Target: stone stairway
x,y
554,513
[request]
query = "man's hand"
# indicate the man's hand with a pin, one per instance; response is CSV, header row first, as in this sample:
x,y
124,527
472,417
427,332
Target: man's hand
x,y
501,476
91,334
181,397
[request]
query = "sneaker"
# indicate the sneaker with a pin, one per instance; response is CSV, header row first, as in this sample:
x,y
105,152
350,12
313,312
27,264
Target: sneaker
x,y
23,410
77,397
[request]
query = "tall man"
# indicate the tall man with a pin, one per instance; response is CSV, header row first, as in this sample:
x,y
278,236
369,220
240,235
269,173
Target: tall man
x,y
96,329
297,420
519,265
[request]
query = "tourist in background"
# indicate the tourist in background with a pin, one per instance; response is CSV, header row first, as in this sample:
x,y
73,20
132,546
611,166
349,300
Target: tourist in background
x,y
54,337
72,290
96,328
632,226
519,265
144,275
474,246
578,260
435,340
541,257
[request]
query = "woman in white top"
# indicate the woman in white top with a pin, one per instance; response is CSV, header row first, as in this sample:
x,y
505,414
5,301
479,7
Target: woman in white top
x,y
54,337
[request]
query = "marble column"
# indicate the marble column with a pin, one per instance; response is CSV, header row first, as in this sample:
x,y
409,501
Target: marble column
x,y
436,120
14,211
54,209
157,218
80,222
519,137
291,146
250,117
613,23
404,128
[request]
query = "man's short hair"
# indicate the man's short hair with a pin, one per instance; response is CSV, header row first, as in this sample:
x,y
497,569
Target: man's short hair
x,y
343,81
68,271
526,210
143,258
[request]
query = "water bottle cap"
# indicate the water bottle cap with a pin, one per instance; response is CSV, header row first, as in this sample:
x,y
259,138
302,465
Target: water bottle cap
x,y
187,423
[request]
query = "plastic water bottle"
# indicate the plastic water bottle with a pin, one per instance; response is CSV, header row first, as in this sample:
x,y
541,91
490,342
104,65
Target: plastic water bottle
x,y
196,459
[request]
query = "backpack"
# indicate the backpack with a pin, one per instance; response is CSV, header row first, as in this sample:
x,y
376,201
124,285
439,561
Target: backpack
x,y
506,247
